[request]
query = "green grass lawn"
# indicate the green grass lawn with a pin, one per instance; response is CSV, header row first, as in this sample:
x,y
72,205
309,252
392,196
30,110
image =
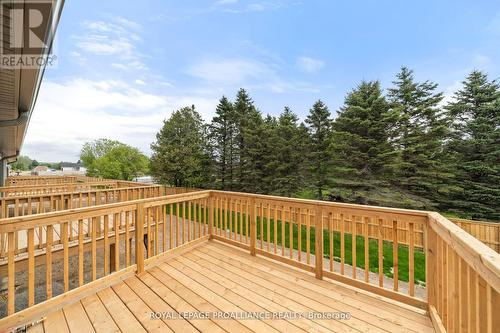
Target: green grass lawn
x,y
403,253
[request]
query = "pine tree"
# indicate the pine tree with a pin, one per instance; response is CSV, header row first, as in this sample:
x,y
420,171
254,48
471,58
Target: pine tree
x,y
270,151
419,134
223,135
252,153
475,115
319,126
180,151
248,142
361,148
288,155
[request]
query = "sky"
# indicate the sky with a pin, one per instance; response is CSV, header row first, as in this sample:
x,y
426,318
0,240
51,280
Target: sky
x,y
124,66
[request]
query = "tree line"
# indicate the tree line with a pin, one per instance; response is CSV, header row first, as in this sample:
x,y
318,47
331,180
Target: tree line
x,y
402,147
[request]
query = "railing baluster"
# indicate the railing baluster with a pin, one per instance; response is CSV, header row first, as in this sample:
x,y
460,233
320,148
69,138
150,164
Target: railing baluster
x,y
48,261
106,245
116,222
139,235
253,226
240,212
261,224
171,226
127,238
211,203
354,248
395,248
64,236
318,251
275,224
164,227
367,248
80,252
94,248
11,268
411,255
342,243
330,234
31,267
308,237
299,234
157,229
177,227
380,253
268,227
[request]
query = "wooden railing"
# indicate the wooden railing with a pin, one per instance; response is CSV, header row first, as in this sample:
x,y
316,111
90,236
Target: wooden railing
x,y
452,275
293,231
46,189
13,206
20,206
464,279
164,224
39,180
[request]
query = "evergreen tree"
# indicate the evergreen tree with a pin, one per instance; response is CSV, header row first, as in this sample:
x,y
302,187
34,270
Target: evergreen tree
x,y
180,151
475,115
252,153
361,147
248,143
418,134
288,156
223,134
319,126
270,150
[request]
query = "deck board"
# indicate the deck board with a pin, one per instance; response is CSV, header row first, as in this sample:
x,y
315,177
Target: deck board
x,y
77,318
308,289
214,277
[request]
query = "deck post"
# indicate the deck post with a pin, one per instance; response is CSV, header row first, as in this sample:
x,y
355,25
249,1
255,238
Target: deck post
x,y
430,260
139,233
210,216
318,242
253,227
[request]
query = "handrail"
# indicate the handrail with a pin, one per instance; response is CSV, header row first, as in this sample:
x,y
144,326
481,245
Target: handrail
x,y
484,259
464,279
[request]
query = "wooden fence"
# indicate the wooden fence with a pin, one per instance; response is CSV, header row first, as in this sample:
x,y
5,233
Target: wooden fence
x,y
486,232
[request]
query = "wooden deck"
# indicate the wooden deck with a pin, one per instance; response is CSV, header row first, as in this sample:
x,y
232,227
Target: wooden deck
x,y
214,278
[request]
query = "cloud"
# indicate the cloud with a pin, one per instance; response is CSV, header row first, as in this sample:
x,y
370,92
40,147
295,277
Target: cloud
x,y
229,71
449,92
234,7
309,65
480,60
117,37
224,2
494,25
263,73
68,114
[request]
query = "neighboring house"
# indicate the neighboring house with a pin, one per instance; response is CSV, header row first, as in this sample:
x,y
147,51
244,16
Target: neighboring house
x,y
73,167
39,169
144,179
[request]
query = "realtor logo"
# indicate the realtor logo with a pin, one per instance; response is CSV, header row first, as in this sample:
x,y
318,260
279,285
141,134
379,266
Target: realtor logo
x,y
24,29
